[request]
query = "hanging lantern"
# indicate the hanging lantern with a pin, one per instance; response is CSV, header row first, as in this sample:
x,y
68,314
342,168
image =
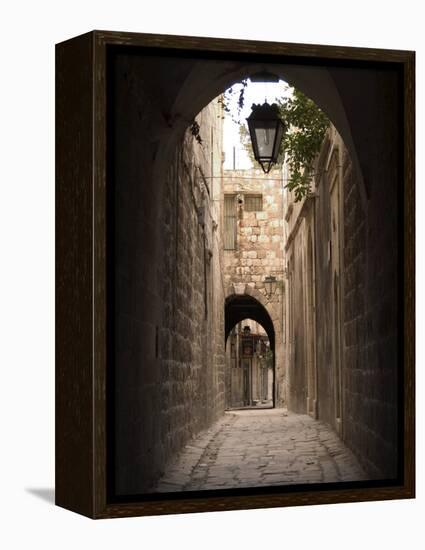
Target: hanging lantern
x,y
266,131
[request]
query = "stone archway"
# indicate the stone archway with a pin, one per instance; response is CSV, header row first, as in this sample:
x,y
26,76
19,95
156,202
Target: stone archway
x,y
152,112
239,289
244,306
239,307
272,317
205,81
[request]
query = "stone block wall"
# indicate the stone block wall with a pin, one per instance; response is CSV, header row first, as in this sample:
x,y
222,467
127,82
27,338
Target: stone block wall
x,y
370,329
372,292
354,306
329,268
192,384
259,245
259,251
168,325
295,356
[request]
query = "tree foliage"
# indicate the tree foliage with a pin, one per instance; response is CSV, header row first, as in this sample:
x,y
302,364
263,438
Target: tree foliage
x,y
228,98
306,126
225,100
195,130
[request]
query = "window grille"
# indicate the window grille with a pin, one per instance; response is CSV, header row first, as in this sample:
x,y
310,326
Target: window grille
x,y
229,222
253,203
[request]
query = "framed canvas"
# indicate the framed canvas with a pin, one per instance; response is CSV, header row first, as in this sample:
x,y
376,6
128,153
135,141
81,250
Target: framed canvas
x,y
230,336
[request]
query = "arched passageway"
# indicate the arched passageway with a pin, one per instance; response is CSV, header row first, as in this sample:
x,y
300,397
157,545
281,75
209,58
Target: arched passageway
x,y
243,306
170,324
250,355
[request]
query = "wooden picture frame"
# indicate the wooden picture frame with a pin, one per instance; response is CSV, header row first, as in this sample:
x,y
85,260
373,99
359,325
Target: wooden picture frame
x,y
82,346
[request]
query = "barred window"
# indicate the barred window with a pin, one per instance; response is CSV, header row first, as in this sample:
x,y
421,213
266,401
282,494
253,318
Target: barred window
x,y
229,222
253,203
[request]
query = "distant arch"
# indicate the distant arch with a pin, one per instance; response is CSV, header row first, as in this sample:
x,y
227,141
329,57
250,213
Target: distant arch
x,y
244,306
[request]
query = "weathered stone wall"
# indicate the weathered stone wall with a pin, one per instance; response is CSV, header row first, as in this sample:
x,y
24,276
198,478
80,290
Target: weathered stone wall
x,y
371,297
192,393
152,102
259,250
329,270
351,294
296,356
169,383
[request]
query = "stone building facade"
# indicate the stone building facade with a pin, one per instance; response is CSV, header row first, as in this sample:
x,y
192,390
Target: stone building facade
x,y
254,249
249,366
192,334
339,319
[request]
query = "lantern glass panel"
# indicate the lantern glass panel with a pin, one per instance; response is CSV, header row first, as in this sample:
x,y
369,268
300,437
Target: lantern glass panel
x,y
265,137
278,140
266,130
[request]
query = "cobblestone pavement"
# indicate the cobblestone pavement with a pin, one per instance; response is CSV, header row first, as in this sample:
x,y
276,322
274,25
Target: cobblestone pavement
x,y
249,448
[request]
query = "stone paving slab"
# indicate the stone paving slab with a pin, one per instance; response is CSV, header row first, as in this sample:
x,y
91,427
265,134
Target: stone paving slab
x,y
249,448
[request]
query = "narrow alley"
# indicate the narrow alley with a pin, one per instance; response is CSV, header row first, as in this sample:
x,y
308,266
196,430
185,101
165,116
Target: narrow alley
x,y
250,448
254,325
239,275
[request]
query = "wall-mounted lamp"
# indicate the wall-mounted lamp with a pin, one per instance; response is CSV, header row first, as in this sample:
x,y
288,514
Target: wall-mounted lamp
x,y
270,285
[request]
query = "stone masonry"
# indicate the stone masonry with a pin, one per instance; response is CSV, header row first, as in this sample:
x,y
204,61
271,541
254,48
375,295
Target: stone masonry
x,y
342,300
258,250
191,338
335,311
169,292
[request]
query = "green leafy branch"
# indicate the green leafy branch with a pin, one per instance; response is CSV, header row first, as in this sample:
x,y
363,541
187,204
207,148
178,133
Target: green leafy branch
x,y
195,130
229,96
306,127
225,100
